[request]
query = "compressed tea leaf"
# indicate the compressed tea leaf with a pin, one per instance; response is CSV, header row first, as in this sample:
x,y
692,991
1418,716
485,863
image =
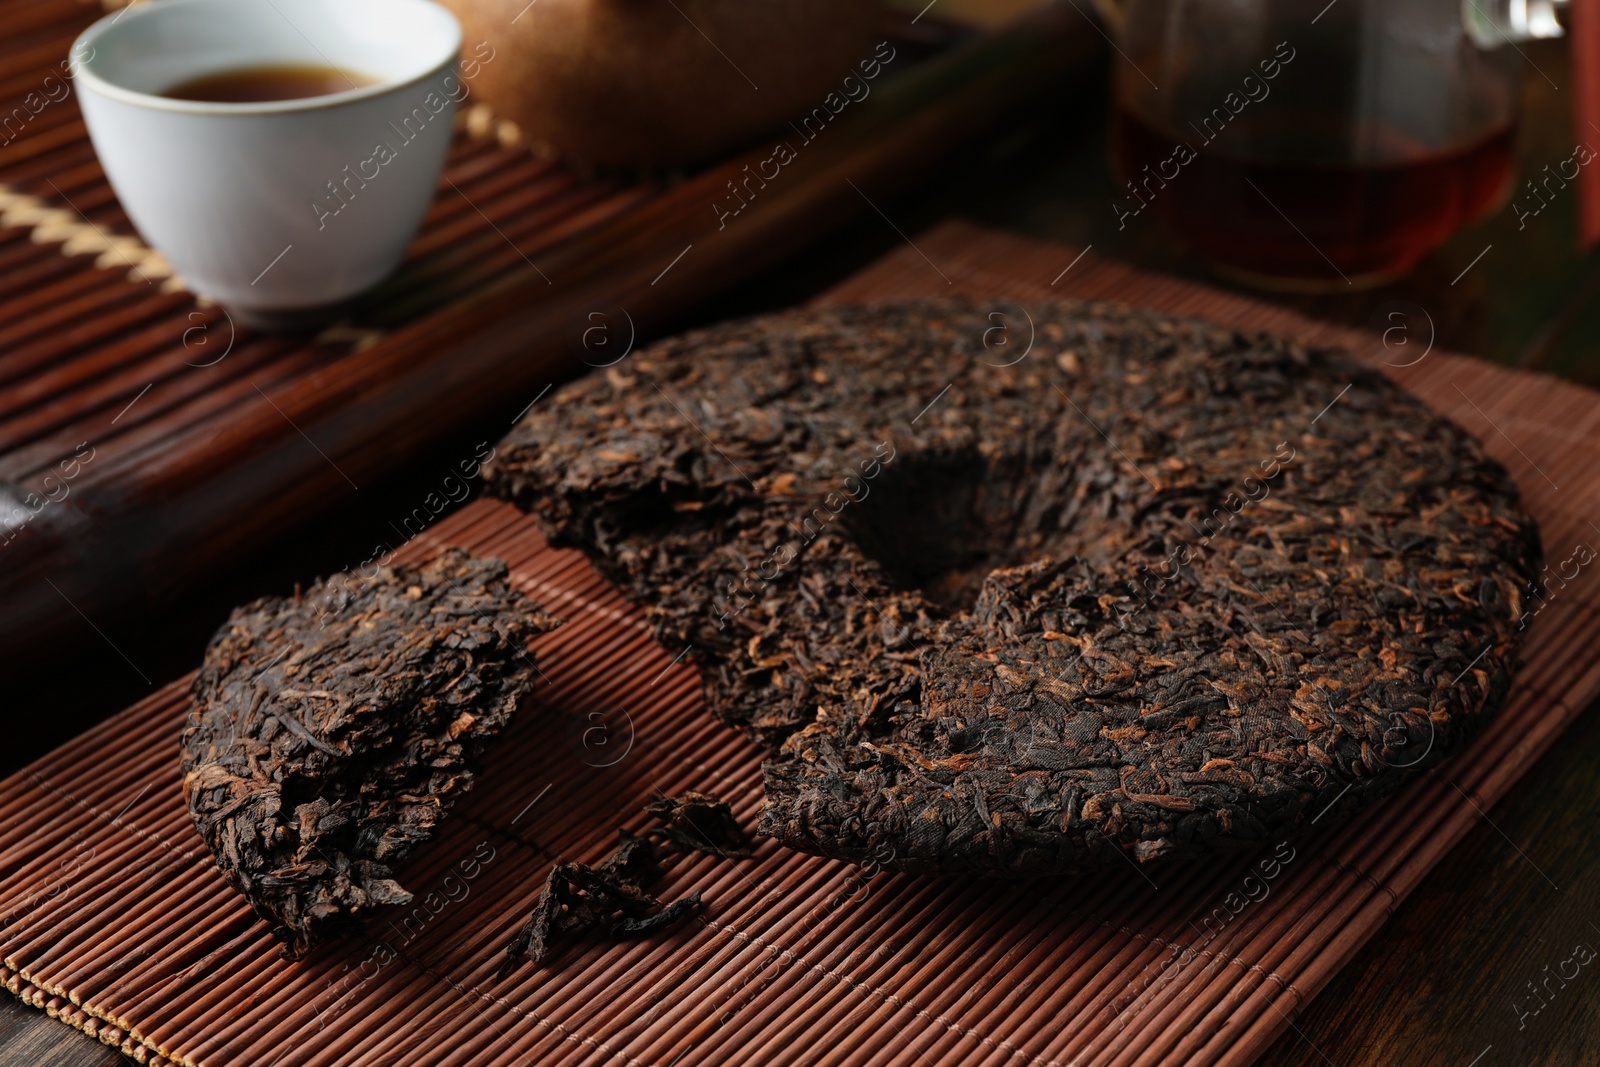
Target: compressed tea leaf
x,y
610,898
330,732
1122,587
698,822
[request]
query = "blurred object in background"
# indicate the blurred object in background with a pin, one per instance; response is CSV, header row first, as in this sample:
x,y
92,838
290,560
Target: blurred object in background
x,y
1309,148
623,83
983,14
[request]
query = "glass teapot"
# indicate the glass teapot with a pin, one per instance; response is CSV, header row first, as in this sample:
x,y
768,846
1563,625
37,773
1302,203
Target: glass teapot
x,y
1317,145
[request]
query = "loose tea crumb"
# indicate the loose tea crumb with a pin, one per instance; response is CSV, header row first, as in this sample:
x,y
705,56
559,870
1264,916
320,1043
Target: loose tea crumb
x,y
1125,586
698,822
611,897
577,899
331,732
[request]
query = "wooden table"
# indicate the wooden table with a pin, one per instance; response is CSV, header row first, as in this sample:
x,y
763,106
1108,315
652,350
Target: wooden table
x,y
1448,978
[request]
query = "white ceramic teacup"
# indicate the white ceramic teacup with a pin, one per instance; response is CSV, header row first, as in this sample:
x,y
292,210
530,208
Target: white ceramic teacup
x,y
273,208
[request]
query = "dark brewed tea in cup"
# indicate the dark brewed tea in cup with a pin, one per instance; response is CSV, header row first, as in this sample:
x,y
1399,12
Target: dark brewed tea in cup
x,y
278,82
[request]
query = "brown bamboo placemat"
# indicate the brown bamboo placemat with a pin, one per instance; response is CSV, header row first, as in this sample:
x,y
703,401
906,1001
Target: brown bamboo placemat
x,y
113,918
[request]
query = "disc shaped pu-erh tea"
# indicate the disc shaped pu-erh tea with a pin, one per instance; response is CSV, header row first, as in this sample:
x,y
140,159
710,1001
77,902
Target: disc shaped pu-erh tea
x,y
332,731
1021,590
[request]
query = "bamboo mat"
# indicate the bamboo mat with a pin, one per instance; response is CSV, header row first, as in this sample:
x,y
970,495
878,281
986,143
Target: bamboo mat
x,y
113,918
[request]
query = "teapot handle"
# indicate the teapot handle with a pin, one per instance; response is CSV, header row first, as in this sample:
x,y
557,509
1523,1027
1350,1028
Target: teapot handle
x,y
1110,12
